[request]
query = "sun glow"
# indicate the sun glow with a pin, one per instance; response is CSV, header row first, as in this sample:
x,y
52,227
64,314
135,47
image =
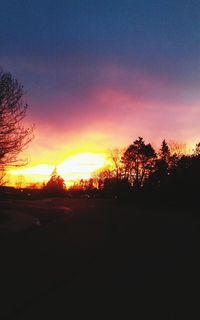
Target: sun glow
x,y
79,166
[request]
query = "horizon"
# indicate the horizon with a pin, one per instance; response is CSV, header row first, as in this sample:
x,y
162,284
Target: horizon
x,y
77,166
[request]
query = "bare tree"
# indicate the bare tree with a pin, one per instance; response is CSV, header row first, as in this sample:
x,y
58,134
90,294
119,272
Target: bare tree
x,y
19,183
2,175
177,148
14,137
196,151
116,158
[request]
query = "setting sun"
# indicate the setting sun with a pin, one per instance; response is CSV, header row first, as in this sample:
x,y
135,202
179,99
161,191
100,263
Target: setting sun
x,y
81,166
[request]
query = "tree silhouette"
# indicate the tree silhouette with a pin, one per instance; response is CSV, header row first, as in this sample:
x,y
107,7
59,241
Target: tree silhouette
x,y
164,152
56,183
177,148
197,150
100,176
139,161
116,158
2,176
162,165
14,137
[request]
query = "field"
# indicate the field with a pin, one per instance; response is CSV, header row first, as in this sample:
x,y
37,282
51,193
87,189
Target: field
x,y
80,254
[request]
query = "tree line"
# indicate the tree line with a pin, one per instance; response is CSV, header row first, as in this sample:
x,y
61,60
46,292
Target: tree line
x,y
141,172
167,173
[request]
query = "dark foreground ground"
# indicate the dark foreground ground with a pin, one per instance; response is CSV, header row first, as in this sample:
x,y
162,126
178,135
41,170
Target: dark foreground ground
x,y
99,259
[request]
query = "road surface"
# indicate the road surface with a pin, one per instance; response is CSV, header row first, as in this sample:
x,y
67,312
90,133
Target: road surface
x,y
96,254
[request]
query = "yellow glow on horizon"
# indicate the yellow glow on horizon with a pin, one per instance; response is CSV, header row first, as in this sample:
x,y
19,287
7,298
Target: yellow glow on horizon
x,y
36,170
78,166
81,165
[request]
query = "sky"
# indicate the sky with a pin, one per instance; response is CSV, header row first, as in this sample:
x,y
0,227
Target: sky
x,y
98,74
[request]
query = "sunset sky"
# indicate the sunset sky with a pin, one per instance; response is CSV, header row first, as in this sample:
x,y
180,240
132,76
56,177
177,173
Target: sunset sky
x,y
98,74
